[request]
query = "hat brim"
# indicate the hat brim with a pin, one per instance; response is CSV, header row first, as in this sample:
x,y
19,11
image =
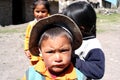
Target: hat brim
x,y
36,31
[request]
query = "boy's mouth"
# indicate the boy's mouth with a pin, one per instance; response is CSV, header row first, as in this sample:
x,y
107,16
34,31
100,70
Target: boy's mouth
x,y
59,66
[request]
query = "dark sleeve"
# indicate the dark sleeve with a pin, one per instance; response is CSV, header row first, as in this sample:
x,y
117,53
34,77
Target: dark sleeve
x,y
94,64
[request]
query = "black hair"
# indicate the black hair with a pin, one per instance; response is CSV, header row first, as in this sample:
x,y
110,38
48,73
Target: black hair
x,y
84,15
44,2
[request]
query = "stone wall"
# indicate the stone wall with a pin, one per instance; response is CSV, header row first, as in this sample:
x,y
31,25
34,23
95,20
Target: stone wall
x,y
54,7
5,12
8,16
28,10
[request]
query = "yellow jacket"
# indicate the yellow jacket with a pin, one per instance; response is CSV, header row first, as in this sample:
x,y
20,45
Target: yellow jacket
x,y
27,34
34,59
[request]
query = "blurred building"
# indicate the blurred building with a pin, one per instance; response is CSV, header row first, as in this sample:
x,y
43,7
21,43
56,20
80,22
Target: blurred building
x,y
19,11
64,3
104,3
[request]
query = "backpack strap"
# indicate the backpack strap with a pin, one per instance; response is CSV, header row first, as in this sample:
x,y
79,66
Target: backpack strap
x,y
31,74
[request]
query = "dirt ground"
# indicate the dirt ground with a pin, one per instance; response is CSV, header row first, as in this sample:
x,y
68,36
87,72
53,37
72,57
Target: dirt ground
x,y
13,62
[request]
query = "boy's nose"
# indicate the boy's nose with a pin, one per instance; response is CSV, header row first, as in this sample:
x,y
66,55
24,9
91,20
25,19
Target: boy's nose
x,y
58,58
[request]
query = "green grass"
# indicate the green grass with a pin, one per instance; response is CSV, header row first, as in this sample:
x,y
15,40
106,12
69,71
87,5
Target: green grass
x,y
9,31
109,18
107,22
12,29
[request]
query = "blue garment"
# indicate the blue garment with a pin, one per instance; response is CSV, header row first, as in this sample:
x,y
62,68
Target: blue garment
x,y
31,74
90,59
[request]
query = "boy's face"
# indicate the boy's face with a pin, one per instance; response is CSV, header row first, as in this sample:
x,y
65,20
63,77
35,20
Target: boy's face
x,y
56,53
40,12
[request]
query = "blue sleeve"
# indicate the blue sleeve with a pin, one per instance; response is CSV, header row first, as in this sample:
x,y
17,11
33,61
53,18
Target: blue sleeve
x,y
31,74
94,65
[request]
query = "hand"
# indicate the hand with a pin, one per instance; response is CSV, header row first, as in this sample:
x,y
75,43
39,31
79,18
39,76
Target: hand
x,y
28,54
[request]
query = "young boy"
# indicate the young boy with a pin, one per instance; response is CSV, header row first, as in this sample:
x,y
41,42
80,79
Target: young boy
x,y
55,37
91,60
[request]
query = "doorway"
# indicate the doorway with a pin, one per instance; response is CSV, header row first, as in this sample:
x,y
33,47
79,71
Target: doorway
x,y
17,11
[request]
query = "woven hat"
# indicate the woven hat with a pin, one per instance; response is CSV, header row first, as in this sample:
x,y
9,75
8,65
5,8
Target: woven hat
x,y
43,24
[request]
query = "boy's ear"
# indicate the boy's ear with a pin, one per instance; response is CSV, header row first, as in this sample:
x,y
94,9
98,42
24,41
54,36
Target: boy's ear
x,y
82,29
40,52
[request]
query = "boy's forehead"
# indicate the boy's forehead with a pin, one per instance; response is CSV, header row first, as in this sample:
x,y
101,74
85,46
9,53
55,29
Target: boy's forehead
x,y
56,43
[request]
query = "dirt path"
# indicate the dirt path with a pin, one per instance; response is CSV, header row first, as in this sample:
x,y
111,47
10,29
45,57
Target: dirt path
x,y
13,62
111,45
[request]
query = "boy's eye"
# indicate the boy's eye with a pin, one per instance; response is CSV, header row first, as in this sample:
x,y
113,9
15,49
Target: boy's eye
x,y
49,51
64,50
60,51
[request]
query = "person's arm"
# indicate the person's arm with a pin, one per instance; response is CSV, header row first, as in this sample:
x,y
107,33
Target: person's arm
x,y
27,36
94,64
26,41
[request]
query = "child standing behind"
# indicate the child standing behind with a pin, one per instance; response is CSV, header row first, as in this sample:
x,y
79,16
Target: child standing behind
x,y
41,9
91,60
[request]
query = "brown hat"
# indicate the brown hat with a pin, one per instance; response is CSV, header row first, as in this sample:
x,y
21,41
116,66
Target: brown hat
x,y
58,19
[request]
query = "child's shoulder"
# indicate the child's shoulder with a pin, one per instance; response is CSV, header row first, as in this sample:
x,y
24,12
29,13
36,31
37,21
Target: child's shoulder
x,y
32,22
32,74
80,75
87,46
92,43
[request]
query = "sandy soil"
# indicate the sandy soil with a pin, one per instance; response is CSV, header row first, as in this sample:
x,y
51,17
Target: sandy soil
x,y
13,62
